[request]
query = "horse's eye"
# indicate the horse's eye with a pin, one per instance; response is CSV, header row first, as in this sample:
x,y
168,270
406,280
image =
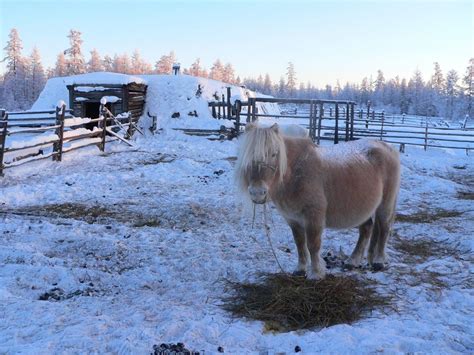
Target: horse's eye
x,y
274,155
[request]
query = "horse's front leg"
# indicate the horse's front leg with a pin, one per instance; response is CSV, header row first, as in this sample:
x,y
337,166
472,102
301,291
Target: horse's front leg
x,y
300,241
313,240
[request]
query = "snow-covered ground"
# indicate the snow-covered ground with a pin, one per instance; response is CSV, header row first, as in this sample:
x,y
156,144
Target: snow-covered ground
x,y
141,240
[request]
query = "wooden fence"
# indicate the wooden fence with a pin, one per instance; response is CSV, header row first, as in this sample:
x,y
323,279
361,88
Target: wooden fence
x,y
67,133
337,120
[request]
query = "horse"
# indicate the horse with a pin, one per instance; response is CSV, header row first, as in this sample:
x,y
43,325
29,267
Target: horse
x,y
352,184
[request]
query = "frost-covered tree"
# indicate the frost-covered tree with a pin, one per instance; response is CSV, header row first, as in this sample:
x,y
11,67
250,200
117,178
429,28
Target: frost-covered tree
x,y
267,85
60,69
139,65
228,74
468,82
122,63
95,63
416,92
217,70
405,101
196,69
290,79
452,91
108,63
281,87
437,80
37,75
15,87
76,63
165,64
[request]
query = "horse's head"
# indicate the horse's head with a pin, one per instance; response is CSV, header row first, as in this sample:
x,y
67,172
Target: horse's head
x,y
261,161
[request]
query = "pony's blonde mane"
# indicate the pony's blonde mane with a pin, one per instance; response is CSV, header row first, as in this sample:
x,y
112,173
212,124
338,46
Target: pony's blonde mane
x,y
257,144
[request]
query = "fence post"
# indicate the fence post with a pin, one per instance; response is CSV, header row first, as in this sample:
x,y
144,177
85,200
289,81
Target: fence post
x,y
223,107
229,106
129,133
311,120
254,109
58,147
238,108
352,120
426,134
3,136
213,105
249,106
103,114
381,127
321,113
367,120
346,111
336,128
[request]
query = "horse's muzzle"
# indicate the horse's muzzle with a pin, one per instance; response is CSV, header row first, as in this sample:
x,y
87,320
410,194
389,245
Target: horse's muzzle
x,y
258,194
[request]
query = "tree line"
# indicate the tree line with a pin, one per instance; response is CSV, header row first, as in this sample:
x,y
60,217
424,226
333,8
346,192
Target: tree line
x,y
447,95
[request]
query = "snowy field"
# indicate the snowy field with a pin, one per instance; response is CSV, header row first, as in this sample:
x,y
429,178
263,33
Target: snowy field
x,y
137,244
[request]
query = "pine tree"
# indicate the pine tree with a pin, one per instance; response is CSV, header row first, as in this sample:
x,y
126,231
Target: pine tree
x,y
416,86
379,87
196,69
267,85
217,70
290,79
437,79
122,63
165,64
15,85
108,63
76,62
451,92
282,87
38,78
95,63
404,99
468,81
60,68
228,74
139,65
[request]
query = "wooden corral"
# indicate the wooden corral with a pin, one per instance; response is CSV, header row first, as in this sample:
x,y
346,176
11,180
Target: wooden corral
x,y
84,99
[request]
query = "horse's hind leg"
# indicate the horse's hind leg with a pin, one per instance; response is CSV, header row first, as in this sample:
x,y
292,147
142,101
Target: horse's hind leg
x,y
365,232
303,253
377,257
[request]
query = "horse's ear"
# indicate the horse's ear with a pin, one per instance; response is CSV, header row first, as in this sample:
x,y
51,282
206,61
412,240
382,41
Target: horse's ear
x,y
250,126
275,128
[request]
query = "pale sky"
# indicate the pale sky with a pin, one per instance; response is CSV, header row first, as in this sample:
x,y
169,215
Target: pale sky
x,y
326,40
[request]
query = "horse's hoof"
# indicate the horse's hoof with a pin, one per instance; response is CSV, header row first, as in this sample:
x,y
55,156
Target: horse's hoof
x,y
377,267
299,273
315,276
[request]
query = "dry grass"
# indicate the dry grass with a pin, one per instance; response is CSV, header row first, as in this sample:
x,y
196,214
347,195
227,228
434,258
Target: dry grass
x,y
159,159
465,195
287,303
90,214
427,216
420,250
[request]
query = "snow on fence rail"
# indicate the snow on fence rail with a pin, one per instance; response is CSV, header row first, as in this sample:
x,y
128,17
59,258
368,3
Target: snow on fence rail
x,y
35,135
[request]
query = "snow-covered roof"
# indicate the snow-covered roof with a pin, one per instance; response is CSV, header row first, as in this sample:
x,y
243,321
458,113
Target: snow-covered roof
x,y
103,78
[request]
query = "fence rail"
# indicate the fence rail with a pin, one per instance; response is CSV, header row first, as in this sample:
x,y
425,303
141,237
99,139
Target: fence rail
x,y
52,136
337,120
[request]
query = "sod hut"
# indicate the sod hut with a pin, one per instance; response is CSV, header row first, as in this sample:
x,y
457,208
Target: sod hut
x,y
84,99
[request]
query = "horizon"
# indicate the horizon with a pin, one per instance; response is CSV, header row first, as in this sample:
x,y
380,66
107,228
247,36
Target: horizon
x,y
382,35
